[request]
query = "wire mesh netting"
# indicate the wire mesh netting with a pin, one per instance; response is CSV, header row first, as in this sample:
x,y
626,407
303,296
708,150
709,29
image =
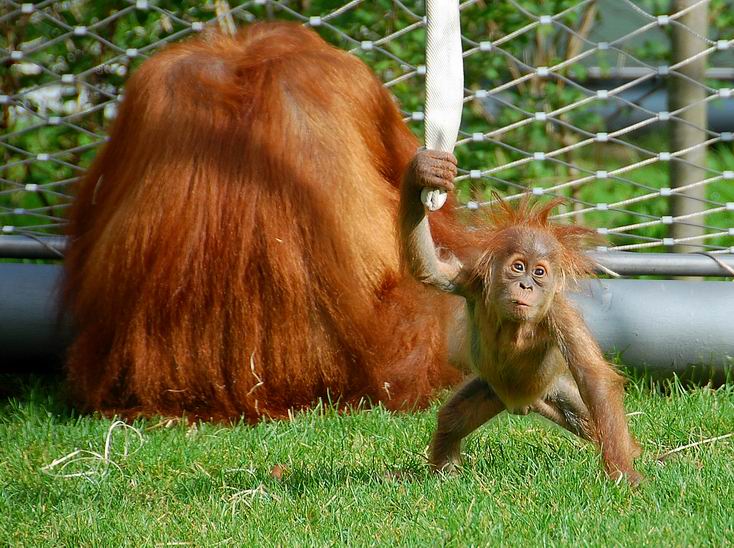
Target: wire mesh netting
x,y
622,108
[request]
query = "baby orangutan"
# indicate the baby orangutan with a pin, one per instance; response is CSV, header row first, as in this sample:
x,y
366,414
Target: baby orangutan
x,y
527,346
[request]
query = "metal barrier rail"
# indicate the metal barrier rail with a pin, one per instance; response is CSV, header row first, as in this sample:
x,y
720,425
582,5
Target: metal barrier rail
x,y
619,262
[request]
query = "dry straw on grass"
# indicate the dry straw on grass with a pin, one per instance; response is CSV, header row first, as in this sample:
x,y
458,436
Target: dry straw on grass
x,y
91,465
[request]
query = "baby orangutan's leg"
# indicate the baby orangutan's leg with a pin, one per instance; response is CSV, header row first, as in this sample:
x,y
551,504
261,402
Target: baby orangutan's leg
x,y
564,406
470,407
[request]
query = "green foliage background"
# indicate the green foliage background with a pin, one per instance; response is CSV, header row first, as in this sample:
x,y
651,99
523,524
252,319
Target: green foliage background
x,y
119,23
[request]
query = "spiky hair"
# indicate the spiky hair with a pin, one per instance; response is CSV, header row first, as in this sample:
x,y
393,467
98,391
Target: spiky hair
x,y
499,226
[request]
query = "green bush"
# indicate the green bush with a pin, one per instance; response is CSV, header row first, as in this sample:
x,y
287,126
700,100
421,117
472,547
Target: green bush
x,y
99,61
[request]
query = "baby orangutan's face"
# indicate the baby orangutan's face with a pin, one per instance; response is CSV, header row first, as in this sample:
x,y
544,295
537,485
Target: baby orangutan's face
x,y
524,281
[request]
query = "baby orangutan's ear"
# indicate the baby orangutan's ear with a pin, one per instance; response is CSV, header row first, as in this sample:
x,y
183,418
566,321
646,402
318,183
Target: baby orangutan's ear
x,y
468,285
479,274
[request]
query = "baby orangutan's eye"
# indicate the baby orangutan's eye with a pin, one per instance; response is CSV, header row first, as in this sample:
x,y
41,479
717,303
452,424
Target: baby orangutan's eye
x,y
539,271
517,266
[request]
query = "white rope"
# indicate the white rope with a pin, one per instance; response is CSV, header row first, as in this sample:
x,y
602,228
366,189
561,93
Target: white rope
x,y
444,84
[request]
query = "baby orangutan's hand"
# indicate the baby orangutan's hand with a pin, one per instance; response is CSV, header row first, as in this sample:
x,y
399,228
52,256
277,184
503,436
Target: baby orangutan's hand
x,y
434,169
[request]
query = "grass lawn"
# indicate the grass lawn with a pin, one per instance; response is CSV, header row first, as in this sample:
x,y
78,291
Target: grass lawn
x,y
359,478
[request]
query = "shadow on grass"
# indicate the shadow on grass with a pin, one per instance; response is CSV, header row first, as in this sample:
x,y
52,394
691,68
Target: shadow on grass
x,y
669,383
295,483
35,394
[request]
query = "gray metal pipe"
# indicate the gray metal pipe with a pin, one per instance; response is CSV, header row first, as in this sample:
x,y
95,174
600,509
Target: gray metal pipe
x,y
628,263
605,74
661,326
26,247
29,320
621,262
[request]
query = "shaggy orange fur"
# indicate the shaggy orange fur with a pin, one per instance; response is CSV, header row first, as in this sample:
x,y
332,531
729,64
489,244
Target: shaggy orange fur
x,y
498,226
233,247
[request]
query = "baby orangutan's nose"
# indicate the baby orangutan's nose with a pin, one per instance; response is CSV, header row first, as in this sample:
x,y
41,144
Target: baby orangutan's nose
x,y
526,285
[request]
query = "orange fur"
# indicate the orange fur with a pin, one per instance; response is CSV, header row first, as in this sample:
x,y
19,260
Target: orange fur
x,y
529,349
502,220
233,247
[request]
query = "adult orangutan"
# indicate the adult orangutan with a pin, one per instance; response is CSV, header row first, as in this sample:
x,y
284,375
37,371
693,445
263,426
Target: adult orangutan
x,y
234,246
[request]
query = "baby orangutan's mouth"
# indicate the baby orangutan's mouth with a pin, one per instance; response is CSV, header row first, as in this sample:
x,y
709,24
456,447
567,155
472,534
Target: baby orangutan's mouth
x,y
520,303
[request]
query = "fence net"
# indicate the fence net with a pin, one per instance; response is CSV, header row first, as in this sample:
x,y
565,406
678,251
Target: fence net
x,y
622,108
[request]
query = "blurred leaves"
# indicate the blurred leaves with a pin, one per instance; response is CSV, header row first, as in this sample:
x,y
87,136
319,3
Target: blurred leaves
x,y
120,34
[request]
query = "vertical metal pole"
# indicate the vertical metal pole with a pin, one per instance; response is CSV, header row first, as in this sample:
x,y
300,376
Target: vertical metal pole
x,y
684,135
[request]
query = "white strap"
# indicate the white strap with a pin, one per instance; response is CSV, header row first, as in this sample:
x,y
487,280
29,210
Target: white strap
x,y
444,84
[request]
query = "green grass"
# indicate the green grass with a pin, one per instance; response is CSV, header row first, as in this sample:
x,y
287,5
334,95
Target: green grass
x,y
361,479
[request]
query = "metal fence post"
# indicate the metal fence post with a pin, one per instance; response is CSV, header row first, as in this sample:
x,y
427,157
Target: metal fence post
x,y
689,131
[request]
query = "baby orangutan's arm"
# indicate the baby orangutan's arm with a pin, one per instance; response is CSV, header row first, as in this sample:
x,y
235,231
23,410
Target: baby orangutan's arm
x,y
434,169
601,388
